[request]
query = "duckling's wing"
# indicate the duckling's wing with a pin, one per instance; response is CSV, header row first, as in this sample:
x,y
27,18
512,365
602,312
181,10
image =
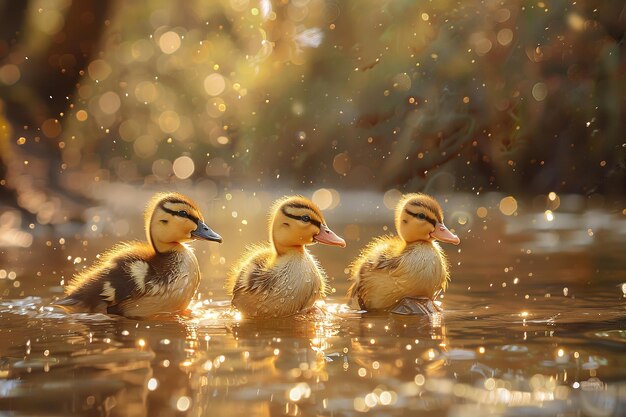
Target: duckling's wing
x,y
252,278
249,269
378,254
376,262
372,274
108,282
385,261
373,281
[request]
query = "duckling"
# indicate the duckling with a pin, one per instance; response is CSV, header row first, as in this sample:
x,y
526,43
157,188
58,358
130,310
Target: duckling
x,y
281,278
141,279
409,266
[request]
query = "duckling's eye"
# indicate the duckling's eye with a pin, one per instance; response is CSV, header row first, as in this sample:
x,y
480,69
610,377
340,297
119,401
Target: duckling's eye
x,y
421,216
305,218
164,221
182,213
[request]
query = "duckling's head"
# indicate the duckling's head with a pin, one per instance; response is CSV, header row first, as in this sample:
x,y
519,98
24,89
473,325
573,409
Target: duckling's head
x,y
296,221
172,219
419,218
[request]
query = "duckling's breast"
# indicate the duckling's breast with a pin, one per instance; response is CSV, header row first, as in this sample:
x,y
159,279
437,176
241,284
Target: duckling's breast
x,y
422,271
291,285
303,283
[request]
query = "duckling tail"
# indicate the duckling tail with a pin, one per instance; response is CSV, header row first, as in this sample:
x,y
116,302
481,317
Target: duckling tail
x,y
70,304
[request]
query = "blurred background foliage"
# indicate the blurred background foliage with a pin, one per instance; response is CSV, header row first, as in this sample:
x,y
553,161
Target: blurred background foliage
x,y
518,96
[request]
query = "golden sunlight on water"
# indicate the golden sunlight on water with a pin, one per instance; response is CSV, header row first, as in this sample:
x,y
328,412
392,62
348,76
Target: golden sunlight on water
x,y
508,111
520,333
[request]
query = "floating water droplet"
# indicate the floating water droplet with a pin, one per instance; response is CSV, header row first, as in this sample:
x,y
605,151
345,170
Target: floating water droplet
x,y
183,403
153,384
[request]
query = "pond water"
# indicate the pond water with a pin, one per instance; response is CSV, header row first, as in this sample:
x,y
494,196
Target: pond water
x,y
533,323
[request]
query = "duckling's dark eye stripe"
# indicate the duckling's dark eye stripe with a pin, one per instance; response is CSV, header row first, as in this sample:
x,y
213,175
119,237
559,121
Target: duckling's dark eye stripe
x,y
293,216
428,207
427,218
178,213
303,206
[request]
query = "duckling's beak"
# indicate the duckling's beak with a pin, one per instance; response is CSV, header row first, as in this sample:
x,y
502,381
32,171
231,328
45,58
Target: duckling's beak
x,y
328,237
442,234
204,232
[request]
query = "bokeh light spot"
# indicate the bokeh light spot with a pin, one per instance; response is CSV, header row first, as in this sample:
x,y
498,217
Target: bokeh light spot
x,y
575,21
129,130
508,205
145,146
99,70
482,45
10,74
323,198
239,5
183,403
51,128
297,108
169,121
162,169
153,384
183,167
109,102
169,42
505,36
214,84
341,163
215,107
540,91
82,115
146,92
502,15
391,198
142,50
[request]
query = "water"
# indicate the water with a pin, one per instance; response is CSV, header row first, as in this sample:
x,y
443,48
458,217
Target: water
x,y
533,325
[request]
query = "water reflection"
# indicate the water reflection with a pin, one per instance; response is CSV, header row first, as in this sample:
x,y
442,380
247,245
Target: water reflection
x,y
529,327
71,365
321,363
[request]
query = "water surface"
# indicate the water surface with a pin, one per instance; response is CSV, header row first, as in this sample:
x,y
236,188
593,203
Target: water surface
x,y
532,325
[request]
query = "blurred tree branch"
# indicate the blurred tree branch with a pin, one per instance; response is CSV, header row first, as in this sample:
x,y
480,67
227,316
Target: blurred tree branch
x,y
50,67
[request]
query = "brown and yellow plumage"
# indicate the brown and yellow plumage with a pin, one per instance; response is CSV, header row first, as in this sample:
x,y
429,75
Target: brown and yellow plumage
x,y
281,278
411,264
140,279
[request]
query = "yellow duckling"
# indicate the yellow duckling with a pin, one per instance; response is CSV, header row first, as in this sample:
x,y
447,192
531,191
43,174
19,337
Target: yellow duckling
x,y
140,279
411,265
281,278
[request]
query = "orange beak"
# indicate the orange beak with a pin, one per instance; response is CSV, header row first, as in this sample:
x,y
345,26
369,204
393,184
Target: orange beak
x,y
328,237
442,234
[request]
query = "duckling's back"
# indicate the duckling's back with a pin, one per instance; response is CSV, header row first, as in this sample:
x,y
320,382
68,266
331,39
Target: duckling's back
x,y
133,280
